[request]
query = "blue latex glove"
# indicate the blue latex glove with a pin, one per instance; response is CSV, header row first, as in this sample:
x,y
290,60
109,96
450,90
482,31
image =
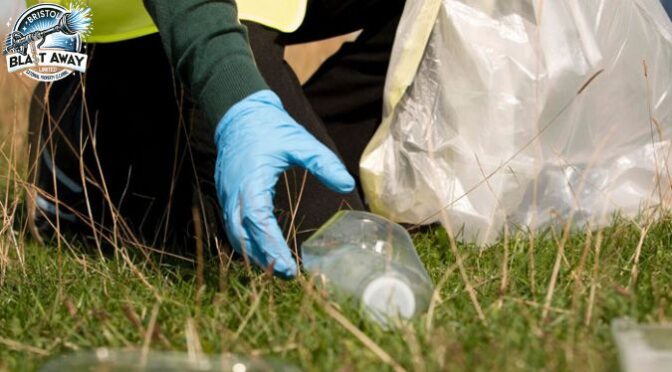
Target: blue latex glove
x,y
257,141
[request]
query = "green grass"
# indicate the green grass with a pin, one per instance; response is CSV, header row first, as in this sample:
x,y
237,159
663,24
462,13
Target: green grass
x,y
52,304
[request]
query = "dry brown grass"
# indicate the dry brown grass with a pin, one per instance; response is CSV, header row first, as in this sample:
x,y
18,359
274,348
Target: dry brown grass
x,y
15,93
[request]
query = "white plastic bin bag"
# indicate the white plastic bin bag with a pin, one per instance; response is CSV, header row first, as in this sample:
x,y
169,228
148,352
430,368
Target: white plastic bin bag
x,y
525,112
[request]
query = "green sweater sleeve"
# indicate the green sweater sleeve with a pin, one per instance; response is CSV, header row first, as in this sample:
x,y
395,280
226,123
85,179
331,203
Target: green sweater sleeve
x,y
210,51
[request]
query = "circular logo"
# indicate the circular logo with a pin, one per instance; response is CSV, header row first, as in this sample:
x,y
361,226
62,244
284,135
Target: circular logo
x,y
46,41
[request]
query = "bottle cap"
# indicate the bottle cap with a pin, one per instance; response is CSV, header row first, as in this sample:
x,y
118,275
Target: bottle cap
x,y
388,297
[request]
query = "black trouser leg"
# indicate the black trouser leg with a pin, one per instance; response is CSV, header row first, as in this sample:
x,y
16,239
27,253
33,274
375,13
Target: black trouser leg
x,y
124,137
329,18
347,90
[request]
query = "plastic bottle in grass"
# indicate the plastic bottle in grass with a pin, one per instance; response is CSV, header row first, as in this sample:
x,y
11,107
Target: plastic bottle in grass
x,y
118,360
643,347
373,260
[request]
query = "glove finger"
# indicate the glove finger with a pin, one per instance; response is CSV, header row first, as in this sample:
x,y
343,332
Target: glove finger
x,y
262,227
238,237
309,153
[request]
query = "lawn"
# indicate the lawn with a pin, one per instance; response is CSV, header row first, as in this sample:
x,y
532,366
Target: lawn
x,y
57,301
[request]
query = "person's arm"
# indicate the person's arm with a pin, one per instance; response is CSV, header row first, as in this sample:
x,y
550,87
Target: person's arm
x,y
209,49
256,138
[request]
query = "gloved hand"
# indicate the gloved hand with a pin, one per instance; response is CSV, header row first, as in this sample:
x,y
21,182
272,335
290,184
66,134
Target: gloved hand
x,y
257,141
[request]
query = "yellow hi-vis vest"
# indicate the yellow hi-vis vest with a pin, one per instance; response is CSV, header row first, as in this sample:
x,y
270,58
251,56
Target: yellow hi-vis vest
x,y
118,20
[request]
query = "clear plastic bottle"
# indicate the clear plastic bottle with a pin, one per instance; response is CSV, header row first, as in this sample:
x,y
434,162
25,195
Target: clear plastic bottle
x,y
117,360
373,260
643,347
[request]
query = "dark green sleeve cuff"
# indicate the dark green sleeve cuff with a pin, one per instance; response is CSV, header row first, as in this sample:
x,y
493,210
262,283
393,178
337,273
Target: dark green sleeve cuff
x,y
228,84
210,51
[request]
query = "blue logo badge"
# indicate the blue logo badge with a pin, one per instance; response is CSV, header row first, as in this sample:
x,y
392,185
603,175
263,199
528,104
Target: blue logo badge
x,y
46,41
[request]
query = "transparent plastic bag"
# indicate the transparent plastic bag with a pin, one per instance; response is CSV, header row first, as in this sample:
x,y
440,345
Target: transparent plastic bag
x,y
523,112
